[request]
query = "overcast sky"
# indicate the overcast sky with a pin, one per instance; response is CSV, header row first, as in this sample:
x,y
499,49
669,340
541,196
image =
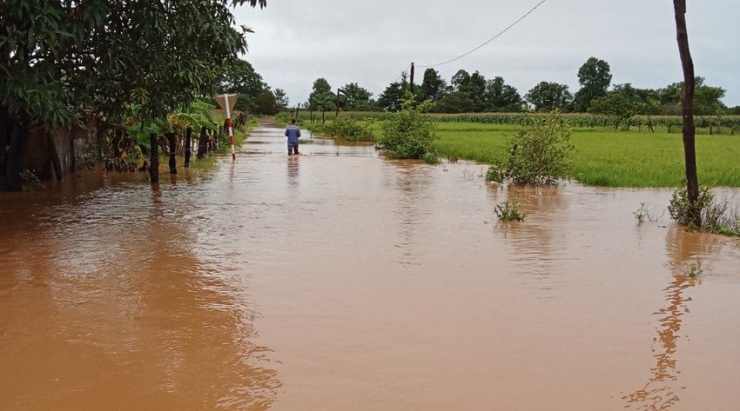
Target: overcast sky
x,y
372,42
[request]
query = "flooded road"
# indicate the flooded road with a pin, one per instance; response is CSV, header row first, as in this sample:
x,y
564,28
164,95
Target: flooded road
x,y
338,280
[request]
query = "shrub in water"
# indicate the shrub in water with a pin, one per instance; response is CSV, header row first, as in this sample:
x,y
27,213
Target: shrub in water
x,y
680,208
717,216
409,134
494,174
540,152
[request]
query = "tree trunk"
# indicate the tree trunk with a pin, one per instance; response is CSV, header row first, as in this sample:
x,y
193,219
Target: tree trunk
x,y
56,165
154,159
202,143
72,160
173,152
10,174
188,136
5,128
687,112
116,141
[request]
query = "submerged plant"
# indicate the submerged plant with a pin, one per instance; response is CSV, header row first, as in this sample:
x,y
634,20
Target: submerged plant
x,y
509,211
717,216
644,213
694,269
494,174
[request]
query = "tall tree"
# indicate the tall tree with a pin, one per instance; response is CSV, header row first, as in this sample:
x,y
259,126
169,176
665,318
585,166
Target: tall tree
x,y
240,77
461,81
548,96
477,90
501,97
617,104
281,99
707,99
432,86
687,112
594,77
266,102
392,97
455,102
356,97
321,87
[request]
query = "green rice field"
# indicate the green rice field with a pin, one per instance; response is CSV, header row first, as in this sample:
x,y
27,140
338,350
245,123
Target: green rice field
x,y
604,157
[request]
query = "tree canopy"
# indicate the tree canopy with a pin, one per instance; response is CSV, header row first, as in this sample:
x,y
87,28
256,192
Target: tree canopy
x,y
594,77
548,96
58,58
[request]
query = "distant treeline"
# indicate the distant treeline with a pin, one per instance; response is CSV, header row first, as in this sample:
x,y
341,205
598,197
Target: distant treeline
x,y
705,124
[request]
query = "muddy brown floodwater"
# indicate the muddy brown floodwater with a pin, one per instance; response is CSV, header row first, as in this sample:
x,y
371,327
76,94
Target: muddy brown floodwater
x,y
343,281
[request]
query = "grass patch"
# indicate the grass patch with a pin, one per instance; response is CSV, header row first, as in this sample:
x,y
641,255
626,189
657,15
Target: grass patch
x,y
604,157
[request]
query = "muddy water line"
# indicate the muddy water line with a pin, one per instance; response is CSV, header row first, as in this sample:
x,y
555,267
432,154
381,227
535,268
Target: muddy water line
x,y
339,280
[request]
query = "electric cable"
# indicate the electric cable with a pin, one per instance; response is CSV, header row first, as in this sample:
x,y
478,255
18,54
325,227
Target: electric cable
x,y
489,40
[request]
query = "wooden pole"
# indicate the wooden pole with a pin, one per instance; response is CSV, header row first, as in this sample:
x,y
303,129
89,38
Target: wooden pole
x,y
188,136
154,159
173,152
202,143
411,82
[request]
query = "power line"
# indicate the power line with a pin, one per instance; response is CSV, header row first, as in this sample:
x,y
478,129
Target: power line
x,y
489,40
402,73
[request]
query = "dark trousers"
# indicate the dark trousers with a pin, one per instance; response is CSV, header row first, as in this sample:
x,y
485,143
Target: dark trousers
x,y
292,149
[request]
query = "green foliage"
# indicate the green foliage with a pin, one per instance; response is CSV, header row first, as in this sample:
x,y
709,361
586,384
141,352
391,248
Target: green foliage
x,y
431,158
321,96
392,97
509,211
409,134
494,175
681,209
356,98
540,152
717,216
694,269
347,128
432,86
547,96
594,77
616,105
240,77
198,114
61,59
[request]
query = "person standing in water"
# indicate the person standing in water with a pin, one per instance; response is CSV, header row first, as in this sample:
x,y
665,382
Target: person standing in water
x,y
293,133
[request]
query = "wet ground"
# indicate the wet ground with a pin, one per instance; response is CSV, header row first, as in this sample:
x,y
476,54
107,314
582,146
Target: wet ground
x,y
338,280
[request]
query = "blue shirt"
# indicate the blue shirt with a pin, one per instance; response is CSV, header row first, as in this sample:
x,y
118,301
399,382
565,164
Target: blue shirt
x,y
293,133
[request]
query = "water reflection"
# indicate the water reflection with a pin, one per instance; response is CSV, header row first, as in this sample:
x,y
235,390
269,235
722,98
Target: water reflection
x,y
685,251
535,242
293,170
410,180
104,302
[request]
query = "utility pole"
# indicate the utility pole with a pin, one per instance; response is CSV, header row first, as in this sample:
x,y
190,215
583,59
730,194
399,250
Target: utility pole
x,y
412,79
339,90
